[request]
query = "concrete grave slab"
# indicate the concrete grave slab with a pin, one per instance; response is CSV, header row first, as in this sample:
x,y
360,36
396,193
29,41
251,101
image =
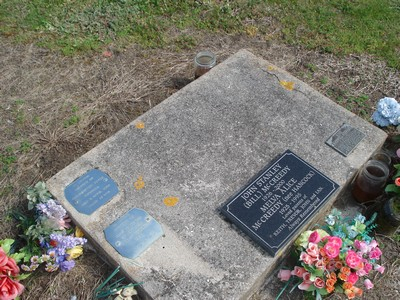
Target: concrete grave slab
x,y
183,159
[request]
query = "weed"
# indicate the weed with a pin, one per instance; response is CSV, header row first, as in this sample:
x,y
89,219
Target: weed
x,y
19,114
7,190
311,67
25,146
36,120
73,120
324,80
7,158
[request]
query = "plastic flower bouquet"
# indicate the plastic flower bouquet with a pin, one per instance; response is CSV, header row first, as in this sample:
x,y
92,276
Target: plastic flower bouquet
x,y
336,258
47,235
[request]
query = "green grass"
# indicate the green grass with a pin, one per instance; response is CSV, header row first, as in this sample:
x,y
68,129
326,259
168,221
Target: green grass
x,y
343,26
337,26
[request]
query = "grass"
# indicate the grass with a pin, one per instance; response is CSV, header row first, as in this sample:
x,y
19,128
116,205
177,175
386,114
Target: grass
x,y
344,27
337,26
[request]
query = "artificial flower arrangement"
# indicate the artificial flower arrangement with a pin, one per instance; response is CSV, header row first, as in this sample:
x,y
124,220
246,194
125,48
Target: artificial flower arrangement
x,y
47,238
387,112
336,258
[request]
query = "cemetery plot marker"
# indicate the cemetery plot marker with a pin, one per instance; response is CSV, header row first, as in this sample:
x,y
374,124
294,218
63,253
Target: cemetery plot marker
x,y
90,191
273,206
345,139
133,233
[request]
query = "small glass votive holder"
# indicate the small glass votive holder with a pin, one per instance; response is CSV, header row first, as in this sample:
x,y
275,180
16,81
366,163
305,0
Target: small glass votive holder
x,y
204,62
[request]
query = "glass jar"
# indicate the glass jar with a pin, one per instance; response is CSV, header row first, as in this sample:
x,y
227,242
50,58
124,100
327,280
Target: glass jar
x,y
388,219
382,156
204,61
370,181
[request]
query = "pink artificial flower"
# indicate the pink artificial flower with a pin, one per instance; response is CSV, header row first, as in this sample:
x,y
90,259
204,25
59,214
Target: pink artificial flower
x,y
298,271
373,244
379,268
368,284
352,278
306,282
307,259
284,275
331,250
331,265
319,264
367,267
304,286
314,237
312,250
397,181
375,253
353,260
362,246
335,240
319,283
361,272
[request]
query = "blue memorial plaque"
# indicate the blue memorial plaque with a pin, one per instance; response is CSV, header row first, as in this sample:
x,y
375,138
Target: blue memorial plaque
x,y
279,201
90,191
133,233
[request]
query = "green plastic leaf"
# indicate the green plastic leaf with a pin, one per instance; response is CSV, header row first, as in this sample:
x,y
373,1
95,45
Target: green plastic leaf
x,y
323,292
24,276
6,245
392,188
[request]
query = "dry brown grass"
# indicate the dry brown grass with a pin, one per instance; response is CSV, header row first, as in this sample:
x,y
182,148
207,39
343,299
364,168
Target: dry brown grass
x,y
108,93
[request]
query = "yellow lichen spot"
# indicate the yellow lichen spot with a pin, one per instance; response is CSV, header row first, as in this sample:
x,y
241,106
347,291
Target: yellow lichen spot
x,y
139,184
271,68
251,30
171,201
289,85
139,125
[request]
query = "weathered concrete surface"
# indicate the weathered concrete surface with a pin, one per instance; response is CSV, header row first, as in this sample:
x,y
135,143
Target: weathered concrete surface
x,y
202,145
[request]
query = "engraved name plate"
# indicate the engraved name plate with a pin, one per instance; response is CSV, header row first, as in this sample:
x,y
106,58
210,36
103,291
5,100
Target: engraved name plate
x,y
345,139
133,233
279,201
90,191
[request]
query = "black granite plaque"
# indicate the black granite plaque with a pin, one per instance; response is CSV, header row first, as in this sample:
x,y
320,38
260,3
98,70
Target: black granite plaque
x,y
345,139
90,191
279,201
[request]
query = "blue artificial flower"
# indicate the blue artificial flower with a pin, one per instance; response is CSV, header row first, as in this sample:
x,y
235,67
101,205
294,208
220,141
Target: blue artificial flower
x,y
65,242
379,119
387,112
360,218
52,209
67,265
351,232
330,220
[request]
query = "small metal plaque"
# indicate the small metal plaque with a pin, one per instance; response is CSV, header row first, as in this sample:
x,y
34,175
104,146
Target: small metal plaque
x,y
133,233
279,201
90,191
345,139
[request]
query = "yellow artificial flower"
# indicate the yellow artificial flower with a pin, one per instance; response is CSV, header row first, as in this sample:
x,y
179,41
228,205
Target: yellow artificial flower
x,y
74,252
78,232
